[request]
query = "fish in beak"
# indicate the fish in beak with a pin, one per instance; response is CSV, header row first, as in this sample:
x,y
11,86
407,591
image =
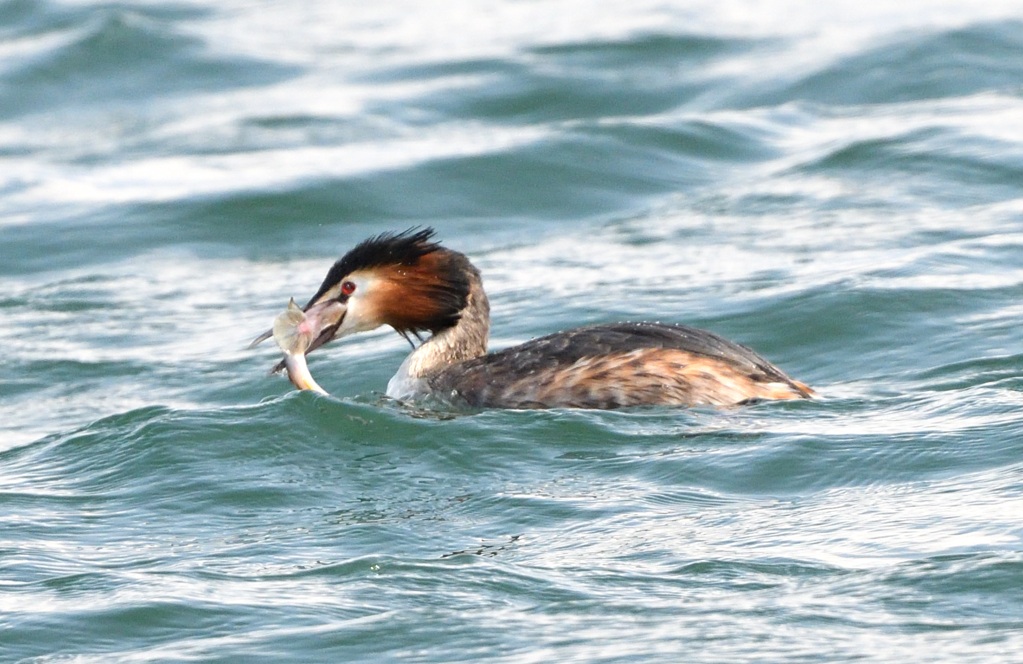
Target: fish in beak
x,y
298,332
398,279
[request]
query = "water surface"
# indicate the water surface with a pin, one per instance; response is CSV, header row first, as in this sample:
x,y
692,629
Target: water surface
x,y
838,188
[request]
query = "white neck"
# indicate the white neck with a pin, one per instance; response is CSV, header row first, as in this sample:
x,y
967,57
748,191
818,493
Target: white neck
x,y
465,340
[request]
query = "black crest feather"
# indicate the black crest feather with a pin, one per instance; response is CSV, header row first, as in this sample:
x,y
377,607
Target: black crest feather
x,y
404,248
436,282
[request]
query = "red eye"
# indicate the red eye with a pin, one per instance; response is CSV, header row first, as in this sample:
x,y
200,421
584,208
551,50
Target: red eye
x,y
347,288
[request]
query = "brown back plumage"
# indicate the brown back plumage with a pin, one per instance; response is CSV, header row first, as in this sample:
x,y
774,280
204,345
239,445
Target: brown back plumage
x,y
619,365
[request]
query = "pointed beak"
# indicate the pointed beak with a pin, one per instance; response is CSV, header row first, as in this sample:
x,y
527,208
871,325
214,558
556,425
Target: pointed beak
x,y
321,323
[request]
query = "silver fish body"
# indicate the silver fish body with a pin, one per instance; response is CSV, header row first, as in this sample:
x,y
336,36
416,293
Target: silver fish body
x,y
293,339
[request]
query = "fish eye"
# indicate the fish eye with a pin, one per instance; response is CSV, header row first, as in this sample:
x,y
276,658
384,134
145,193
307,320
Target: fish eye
x,y
347,288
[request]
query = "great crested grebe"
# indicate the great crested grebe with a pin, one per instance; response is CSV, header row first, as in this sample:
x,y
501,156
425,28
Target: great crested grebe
x,y
408,281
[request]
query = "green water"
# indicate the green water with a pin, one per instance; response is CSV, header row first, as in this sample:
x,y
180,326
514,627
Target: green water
x,y
838,188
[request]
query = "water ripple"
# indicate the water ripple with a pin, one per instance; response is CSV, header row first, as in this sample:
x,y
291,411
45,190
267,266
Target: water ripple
x,y
833,185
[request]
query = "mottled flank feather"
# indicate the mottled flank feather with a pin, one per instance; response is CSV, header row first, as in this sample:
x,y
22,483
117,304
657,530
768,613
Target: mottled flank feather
x,y
615,366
